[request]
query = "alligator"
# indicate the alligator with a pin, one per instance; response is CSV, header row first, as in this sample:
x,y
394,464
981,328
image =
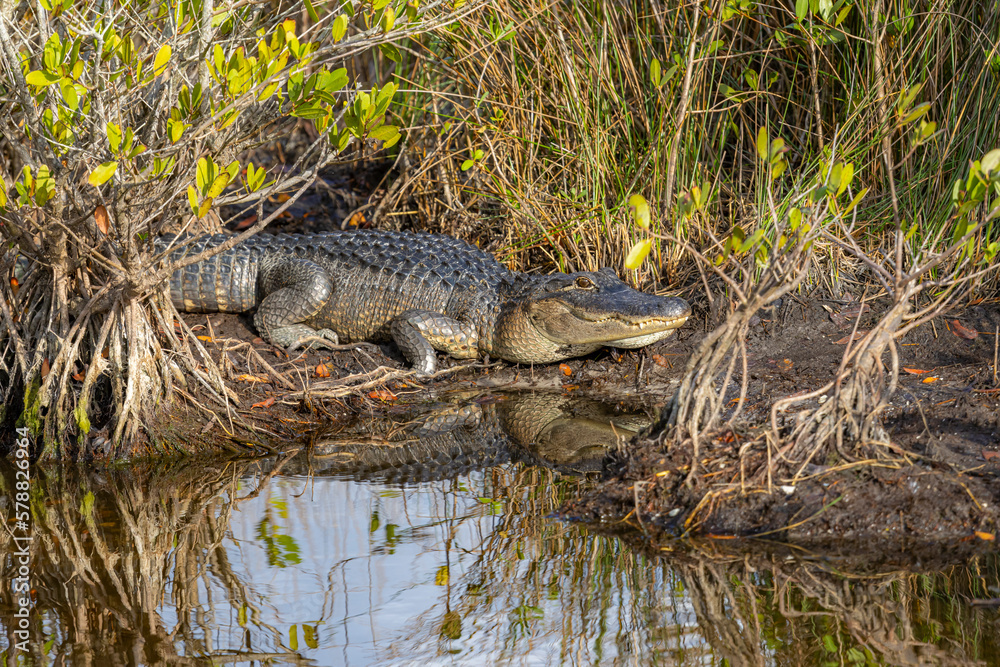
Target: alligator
x,y
570,435
425,292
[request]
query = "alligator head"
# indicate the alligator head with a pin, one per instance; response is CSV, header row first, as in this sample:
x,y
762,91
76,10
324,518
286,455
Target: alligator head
x,y
567,315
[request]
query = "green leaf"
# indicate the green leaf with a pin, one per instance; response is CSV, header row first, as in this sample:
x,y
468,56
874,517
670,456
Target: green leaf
x,y
114,137
388,19
990,161
855,201
386,133
762,143
312,11
69,94
668,77
203,175
390,52
846,176
218,185
638,254
794,218
640,210
192,198
467,165
41,78
776,149
654,72
175,128
339,28
161,60
101,174
916,113
801,7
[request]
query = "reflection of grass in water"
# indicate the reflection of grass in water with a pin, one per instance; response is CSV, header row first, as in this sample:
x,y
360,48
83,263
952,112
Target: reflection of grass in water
x,y
110,550
111,547
591,596
281,549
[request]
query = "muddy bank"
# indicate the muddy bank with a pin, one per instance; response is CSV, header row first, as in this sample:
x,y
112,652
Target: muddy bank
x,y
937,480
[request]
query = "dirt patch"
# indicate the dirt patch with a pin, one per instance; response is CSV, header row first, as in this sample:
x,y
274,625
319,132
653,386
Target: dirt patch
x,y
937,481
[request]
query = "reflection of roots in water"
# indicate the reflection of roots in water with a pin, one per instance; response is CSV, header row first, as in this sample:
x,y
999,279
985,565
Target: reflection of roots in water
x,y
750,609
107,545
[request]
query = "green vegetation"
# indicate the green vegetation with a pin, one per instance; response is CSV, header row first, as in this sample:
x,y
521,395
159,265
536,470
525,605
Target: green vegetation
x,y
119,125
529,127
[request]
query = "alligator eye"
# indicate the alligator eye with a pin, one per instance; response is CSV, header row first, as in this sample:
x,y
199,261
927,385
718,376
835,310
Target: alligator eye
x,y
583,282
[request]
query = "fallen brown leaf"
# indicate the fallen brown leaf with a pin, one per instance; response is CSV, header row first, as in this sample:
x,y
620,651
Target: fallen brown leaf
x,y
101,218
963,332
661,360
45,367
252,378
246,222
858,335
382,395
266,403
991,456
784,365
854,309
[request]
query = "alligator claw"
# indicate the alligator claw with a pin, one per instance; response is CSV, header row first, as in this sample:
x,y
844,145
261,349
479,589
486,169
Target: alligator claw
x,y
322,338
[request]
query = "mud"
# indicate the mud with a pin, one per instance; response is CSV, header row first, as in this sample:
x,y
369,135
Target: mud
x,y
937,483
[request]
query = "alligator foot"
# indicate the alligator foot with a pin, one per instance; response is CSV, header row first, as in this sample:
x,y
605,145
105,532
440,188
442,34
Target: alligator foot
x,y
418,333
297,336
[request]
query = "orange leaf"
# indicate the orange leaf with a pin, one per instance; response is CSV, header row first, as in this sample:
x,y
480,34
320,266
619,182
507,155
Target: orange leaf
x,y
252,378
322,371
246,223
991,456
79,377
382,395
915,371
989,537
784,365
101,218
207,339
567,371
266,403
858,335
963,332
661,360
570,387
357,220
929,380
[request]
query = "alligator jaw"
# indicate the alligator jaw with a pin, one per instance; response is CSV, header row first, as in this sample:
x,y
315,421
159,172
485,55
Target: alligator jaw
x,y
604,311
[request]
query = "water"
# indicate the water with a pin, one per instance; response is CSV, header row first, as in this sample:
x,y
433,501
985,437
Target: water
x,y
338,557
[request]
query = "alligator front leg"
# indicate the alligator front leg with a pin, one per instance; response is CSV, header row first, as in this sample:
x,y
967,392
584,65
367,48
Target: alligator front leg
x,y
294,291
418,333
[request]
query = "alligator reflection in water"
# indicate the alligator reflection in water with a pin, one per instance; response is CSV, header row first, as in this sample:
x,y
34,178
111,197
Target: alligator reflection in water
x,y
569,435
216,563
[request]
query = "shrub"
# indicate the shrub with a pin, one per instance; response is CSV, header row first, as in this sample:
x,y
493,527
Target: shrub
x,y
124,119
